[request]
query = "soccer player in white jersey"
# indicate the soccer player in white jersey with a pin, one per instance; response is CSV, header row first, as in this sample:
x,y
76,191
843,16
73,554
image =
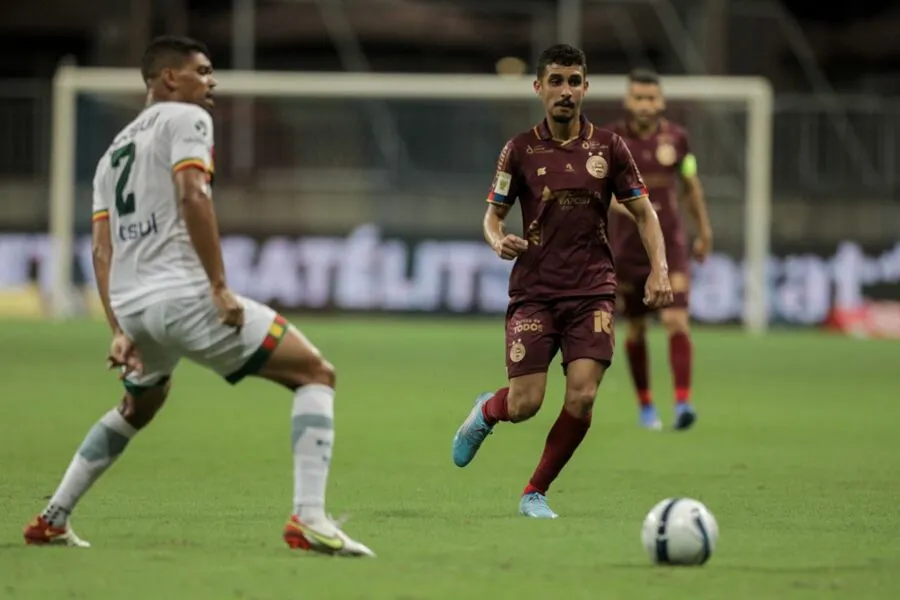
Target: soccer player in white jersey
x,y
160,275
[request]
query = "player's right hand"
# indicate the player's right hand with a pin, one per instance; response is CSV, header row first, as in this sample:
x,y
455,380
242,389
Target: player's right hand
x,y
658,291
125,355
702,246
510,247
231,311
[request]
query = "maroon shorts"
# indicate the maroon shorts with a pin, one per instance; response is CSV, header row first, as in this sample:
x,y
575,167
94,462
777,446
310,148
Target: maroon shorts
x,y
630,291
536,331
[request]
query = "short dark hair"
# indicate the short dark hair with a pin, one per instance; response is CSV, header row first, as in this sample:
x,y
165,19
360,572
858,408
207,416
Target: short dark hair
x,y
563,55
644,76
168,51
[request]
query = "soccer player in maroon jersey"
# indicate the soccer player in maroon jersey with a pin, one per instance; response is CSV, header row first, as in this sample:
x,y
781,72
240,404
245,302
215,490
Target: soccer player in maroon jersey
x,y
564,173
662,152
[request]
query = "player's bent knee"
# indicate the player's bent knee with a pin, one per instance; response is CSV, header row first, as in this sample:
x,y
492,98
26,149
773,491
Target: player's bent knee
x,y
522,408
322,373
526,394
675,320
524,404
140,405
308,372
637,328
583,377
580,398
296,362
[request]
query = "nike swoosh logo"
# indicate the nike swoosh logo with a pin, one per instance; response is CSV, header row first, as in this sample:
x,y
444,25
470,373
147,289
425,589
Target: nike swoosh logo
x,y
332,543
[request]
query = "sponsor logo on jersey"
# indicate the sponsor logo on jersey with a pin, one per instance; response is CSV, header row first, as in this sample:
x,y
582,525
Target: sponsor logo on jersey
x,y
140,230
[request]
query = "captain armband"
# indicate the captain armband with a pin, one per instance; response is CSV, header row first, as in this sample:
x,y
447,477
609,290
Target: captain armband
x,y
689,165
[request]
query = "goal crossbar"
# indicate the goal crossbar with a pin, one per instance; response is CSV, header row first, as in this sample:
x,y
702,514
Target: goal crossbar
x,y
755,93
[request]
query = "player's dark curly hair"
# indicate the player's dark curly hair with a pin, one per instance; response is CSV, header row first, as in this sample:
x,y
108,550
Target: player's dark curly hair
x,y
563,55
168,51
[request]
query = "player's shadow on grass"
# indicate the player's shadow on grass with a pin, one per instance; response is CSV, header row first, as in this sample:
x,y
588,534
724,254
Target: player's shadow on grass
x,y
19,545
402,513
430,515
808,570
785,570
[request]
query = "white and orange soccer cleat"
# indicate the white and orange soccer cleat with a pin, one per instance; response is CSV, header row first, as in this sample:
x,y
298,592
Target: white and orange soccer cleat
x,y
325,538
41,533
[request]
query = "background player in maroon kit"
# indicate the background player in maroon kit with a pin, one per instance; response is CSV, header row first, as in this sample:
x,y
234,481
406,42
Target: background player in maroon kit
x,y
662,152
563,172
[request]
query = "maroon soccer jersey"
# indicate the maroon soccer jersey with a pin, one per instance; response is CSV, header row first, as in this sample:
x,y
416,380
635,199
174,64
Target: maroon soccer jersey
x,y
659,157
564,190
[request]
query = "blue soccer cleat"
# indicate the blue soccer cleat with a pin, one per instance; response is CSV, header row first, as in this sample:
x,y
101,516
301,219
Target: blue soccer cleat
x,y
685,416
535,505
649,418
472,433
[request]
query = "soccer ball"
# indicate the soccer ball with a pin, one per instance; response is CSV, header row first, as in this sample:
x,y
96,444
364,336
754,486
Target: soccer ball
x,y
680,531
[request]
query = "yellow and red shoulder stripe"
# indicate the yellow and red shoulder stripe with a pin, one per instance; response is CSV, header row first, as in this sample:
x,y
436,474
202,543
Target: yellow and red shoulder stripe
x,y
190,163
100,215
194,163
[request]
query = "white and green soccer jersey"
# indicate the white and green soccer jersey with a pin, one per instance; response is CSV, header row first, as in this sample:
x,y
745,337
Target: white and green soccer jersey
x,y
153,258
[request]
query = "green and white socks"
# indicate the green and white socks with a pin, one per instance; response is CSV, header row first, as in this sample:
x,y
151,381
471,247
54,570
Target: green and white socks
x,y
103,444
312,438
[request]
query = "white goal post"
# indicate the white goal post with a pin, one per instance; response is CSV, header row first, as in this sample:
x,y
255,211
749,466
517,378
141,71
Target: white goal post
x,y
755,93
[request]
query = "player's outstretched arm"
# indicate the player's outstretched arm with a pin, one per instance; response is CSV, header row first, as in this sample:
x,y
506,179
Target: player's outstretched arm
x,y
501,199
192,164
101,254
618,207
629,188
122,351
641,210
696,206
659,291
202,225
203,229
507,246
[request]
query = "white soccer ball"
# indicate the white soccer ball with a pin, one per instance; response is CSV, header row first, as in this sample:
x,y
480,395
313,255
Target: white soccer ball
x,y
680,531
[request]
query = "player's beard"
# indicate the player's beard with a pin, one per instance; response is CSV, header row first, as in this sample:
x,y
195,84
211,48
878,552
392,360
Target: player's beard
x,y
562,119
644,122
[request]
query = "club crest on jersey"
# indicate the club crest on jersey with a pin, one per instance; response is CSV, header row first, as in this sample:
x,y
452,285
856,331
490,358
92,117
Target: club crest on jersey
x,y
666,154
597,166
517,351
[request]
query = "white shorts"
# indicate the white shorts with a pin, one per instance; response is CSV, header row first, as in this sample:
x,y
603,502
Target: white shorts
x,y
190,328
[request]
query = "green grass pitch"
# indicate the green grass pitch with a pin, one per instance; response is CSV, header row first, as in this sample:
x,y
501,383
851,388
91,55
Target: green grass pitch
x,y
797,453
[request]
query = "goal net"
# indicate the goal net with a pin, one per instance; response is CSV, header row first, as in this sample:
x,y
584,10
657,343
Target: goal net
x,y
340,191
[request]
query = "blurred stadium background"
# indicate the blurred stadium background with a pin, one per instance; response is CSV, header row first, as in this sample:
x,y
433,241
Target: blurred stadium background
x,y
407,178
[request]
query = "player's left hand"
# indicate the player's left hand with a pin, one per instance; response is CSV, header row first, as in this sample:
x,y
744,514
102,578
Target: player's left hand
x,y
702,246
658,291
124,354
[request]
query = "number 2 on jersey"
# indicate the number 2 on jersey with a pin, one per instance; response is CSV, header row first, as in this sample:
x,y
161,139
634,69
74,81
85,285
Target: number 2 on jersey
x,y
125,205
